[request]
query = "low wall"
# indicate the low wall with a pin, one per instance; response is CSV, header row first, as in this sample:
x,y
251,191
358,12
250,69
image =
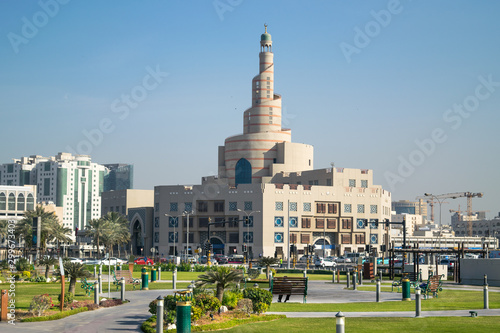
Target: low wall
x,y
472,271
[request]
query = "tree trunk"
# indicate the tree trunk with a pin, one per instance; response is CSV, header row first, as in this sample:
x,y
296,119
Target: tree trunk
x,y
268,268
72,285
47,268
220,293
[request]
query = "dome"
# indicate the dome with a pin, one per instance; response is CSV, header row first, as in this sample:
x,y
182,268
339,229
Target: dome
x,y
265,37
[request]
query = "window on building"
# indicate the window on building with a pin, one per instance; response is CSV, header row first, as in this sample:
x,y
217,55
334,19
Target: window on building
x,y
346,224
294,222
364,183
234,237
331,223
248,205
11,204
174,207
359,238
345,239
203,222
184,221
306,222
188,206
248,221
320,223
191,238
373,209
243,172
20,202
332,208
328,182
305,238
219,206
293,205
157,222
173,221
278,237
233,206
352,182
320,208
347,208
202,206
3,201
278,205
361,208
278,221
248,236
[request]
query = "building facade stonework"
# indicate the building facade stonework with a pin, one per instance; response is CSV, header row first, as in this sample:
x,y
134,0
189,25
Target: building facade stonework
x,y
269,194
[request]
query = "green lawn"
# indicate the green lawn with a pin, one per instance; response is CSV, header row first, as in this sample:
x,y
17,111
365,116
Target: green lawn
x,y
447,300
363,325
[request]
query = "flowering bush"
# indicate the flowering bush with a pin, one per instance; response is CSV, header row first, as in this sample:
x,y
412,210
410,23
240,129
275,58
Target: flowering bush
x,y
40,304
27,274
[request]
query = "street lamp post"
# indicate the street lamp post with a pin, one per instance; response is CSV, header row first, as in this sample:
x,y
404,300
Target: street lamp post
x,y
440,202
324,231
248,226
187,231
175,220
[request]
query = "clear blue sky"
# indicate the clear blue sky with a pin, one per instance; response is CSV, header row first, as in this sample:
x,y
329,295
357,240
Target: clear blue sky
x,y
362,81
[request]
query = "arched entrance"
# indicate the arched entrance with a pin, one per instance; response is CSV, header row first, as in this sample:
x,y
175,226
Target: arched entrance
x,y
137,239
217,245
323,247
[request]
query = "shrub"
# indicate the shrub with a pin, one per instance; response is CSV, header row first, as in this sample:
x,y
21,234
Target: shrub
x,y
169,308
111,302
22,264
184,267
253,273
40,304
92,306
4,264
261,298
207,302
196,313
27,274
231,299
68,298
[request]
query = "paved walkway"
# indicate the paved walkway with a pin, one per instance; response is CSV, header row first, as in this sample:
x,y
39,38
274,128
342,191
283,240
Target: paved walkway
x,y
129,317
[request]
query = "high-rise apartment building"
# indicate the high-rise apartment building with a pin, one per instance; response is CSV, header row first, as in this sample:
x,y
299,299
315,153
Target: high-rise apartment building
x,y
118,177
71,182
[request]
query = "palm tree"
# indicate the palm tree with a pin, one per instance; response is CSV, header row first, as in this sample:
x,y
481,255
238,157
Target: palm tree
x,y
47,261
4,229
59,234
222,277
117,230
24,227
95,229
268,261
75,271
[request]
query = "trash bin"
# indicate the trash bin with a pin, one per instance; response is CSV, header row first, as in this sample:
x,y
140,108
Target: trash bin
x,y
145,274
153,275
405,284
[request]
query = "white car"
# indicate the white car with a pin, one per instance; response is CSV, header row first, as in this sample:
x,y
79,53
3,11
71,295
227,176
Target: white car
x,y
112,261
77,260
321,262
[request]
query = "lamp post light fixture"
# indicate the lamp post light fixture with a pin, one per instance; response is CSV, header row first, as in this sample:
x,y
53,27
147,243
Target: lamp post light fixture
x,y
175,220
248,227
440,202
187,232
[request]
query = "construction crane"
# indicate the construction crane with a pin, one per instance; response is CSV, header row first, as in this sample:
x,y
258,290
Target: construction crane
x,y
468,195
431,202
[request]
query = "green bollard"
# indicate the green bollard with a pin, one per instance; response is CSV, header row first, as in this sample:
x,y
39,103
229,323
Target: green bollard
x,y
184,317
144,279
405,283
153,275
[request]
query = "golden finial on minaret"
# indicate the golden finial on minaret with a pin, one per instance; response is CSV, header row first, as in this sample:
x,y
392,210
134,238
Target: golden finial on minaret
x,y
265,26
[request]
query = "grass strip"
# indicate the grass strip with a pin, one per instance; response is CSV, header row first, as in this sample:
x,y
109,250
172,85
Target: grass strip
x,y
56,316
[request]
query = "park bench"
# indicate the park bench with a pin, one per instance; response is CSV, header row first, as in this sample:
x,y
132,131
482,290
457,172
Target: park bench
x,y
127,275
414,278
87,286
433,286
289,286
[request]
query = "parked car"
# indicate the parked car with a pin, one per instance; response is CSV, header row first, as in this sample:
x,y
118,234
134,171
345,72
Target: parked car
x,y
324,262
112,261
204,260
144,261
92,261
77,260
221,259
343,259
